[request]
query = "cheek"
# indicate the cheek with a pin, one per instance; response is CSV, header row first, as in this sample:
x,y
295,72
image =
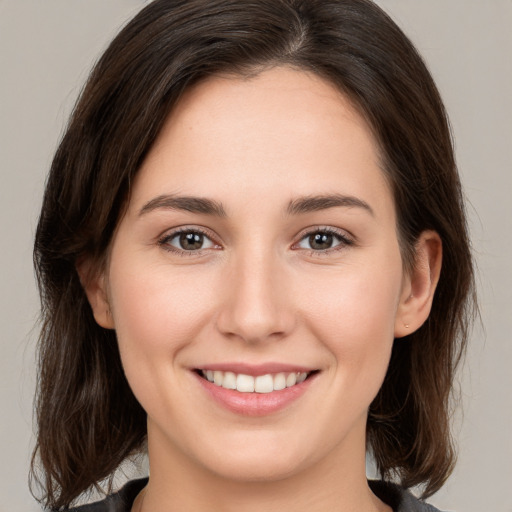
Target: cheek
x,y
156,314
353,315
156,304
357,300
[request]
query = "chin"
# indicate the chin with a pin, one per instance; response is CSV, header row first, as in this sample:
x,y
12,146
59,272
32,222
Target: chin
x,y
256,468
263,456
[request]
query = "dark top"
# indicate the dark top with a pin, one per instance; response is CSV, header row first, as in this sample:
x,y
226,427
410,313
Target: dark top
x,y
397,498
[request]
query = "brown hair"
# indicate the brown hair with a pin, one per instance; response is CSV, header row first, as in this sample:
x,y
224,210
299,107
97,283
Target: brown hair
x,y
88,419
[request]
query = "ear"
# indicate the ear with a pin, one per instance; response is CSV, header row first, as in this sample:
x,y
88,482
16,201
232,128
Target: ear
x,y
419,285
94,284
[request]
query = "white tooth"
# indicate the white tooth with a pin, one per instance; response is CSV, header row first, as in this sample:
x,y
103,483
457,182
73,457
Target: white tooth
x,y
291,380
301,377
209,375
245,383
229,380
264,384
218,377
279,381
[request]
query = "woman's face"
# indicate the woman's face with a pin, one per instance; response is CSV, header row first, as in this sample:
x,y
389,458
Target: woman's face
x,y
259,247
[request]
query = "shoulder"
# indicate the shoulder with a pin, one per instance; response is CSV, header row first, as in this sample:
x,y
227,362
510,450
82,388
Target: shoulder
x,y
120,501
399,499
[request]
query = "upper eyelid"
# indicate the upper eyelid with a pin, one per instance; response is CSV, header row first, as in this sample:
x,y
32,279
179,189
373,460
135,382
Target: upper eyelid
x,y
342,233
172,232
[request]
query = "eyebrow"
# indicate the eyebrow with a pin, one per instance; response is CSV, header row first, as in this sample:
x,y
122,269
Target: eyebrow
x,y
323,202
297,206
186,203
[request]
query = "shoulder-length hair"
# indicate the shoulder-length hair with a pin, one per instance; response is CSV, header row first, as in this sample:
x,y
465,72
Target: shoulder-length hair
x,y
88,419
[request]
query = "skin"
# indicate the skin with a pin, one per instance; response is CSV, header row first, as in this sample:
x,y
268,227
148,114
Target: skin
x,y
258,292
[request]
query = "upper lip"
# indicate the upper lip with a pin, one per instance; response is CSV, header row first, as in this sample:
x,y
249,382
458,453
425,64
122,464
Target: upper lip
x,y
256,369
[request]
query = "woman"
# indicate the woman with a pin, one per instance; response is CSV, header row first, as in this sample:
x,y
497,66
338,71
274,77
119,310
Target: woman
x,y
253,262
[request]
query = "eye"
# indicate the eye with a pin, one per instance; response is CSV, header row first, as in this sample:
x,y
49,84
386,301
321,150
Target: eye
x,y
323,240
188,240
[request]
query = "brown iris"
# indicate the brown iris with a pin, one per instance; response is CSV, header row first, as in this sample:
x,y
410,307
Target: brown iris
x,y
191,241
321,241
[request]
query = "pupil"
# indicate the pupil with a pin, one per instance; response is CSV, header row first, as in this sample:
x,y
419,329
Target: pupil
x,y
191,241
320,241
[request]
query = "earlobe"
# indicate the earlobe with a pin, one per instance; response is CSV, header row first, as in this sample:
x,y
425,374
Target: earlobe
x,y
95,287
420,285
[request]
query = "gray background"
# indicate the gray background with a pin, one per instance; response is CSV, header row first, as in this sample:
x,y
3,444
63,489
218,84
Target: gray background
x,y
46,50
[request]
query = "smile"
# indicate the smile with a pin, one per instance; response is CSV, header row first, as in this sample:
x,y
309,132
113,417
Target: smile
x,y
255,390
254,384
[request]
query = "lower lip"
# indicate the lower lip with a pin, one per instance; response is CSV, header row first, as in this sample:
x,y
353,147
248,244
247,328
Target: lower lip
x,y
255,404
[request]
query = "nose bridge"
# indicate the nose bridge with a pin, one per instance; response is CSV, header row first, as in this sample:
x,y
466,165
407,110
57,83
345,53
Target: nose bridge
x,y
257,306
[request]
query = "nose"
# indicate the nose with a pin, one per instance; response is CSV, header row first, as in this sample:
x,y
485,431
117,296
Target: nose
x,y
256,305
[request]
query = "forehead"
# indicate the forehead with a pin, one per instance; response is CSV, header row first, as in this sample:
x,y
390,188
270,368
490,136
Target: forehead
x,y
282,129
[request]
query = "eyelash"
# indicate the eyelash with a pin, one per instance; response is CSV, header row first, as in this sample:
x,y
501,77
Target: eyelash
x,y
341,236
165,239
